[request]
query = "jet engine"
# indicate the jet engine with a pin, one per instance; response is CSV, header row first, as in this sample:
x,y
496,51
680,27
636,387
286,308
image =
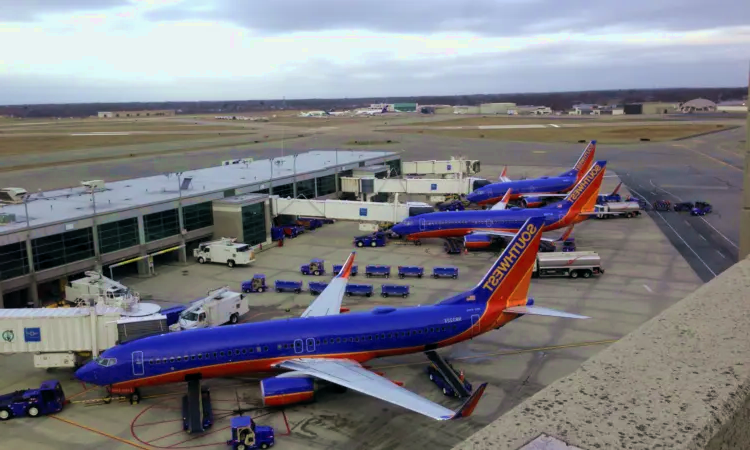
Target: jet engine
x,y
278,391
531,202
477,241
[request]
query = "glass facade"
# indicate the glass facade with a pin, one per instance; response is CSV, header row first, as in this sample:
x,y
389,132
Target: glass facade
x,y
395,167
13,261
63,248
262,191
230,193
254,223
326,185
198,216
161,225
306,189
115,236
284,191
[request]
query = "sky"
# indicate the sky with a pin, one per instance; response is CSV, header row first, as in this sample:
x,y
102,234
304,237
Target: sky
x,y
77,51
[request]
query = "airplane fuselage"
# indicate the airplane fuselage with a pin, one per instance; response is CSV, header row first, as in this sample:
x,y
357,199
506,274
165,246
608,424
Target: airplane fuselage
x,y
492,193
461,223
256,347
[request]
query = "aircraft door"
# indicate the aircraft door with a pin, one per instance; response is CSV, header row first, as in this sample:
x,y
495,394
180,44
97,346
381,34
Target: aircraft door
x,y
138,363
474,325
422,225
298,347
310,343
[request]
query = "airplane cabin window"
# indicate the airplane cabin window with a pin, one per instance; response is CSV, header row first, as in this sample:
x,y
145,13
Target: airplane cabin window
x,y
150,362
237,353
192,357
185,357
317,342
382,336
265,348
244,351
221,354
200,355
171,360
215,354
179,359
377,337
325,341
279,346
257,349
338,340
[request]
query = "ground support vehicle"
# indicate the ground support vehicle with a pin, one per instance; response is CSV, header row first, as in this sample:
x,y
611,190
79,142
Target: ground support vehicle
x,y
277,234
570,264
49,398
412,271
446,377
197,413
257,284
662,205
627,209
219,307
394,290
380,271
337,268
445,272
314,267
246,435
376,239
292,231
309,223
224,251
359,289
701,209
453,246
288,286
452,206
684,206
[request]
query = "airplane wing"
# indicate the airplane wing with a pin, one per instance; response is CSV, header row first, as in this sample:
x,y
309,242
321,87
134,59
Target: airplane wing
x,y
502,204
328,302
352,375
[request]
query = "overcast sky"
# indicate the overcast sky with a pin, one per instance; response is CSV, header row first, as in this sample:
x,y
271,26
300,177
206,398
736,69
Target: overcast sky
x,y
57,51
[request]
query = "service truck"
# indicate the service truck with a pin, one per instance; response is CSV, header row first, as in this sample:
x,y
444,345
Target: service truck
x,y
219,307
66,337
569,264
94,286
628,209
224,251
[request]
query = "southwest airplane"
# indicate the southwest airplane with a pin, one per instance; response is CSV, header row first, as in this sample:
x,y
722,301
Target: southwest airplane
x,y
326,345
576,207
534,192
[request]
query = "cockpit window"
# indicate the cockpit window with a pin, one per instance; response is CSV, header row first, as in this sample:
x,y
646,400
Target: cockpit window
x,y
105,362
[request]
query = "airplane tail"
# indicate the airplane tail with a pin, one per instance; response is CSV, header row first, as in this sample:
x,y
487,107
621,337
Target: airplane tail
x,y
584,162
503,176
617,189
385,110
582,198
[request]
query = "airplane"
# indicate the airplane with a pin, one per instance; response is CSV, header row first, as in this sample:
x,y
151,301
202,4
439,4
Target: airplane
x,y
313,114
324,344
534,192
577,206
372,112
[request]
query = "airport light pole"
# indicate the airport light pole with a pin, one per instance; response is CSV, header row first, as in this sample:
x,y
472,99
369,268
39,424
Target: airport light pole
x,y
181,218
745,211
95,234
33,290
294,173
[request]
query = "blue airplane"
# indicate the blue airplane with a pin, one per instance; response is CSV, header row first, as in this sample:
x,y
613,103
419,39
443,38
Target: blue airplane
x,y
537,191
577,206
326,345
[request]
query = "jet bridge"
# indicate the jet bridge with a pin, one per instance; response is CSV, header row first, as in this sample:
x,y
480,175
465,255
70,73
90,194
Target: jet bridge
x,y
423,186
450,168
348,210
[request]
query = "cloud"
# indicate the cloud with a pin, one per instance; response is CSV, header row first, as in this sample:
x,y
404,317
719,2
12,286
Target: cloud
x,y
481,17
29,10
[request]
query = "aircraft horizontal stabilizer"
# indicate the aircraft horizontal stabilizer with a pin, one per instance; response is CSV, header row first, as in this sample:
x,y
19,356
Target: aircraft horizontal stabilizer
x,y
540,311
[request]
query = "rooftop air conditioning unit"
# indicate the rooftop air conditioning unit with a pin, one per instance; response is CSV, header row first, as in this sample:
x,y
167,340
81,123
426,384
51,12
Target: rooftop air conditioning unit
x,y
93,185
12,195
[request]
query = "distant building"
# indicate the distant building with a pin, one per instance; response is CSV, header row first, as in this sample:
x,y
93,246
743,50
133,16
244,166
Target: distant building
x,y
496,108
698,105
144,113
405,107
733,106
584,109
461,109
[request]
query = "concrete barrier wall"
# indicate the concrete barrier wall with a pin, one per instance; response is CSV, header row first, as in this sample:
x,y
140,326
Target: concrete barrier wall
x,y
681,381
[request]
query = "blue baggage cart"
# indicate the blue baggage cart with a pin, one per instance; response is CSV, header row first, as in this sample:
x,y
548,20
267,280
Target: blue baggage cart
x,y
412,271
315,267
395,290
257,284
277,233
375,270
359,289
337,268
445,272
316,287
288,286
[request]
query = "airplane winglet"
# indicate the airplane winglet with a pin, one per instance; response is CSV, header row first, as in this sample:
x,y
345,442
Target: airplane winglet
x,y
468,407
346,269
617,189
506,197
567,233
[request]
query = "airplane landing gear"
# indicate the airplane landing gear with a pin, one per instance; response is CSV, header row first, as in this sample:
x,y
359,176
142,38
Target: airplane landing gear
x,y
135,397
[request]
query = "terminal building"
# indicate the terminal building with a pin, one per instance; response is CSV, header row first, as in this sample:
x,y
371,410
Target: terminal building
x,y
46,237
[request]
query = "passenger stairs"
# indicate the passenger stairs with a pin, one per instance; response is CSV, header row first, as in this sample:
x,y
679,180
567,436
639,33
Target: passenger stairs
x,y
448,372
193,408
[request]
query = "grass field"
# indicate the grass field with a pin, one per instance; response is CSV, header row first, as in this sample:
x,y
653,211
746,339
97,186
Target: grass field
x,y
17,145
621,134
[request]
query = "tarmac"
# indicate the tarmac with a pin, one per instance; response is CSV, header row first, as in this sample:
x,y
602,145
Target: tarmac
x,y
645,274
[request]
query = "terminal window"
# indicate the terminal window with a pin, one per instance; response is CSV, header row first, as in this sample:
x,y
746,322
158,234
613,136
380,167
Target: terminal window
x,y
161,225
284,191
198,216
254,223
64,248
306,189
13,261
326,185
118,235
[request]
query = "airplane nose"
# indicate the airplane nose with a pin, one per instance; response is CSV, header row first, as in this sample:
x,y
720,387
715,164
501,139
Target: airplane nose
x,y
474,197
87,374
398,229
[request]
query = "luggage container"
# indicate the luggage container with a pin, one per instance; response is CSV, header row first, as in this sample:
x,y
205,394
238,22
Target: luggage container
x,y
359,289
337,268
381,271
288,286
445,272
394,290
412,271
316,287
